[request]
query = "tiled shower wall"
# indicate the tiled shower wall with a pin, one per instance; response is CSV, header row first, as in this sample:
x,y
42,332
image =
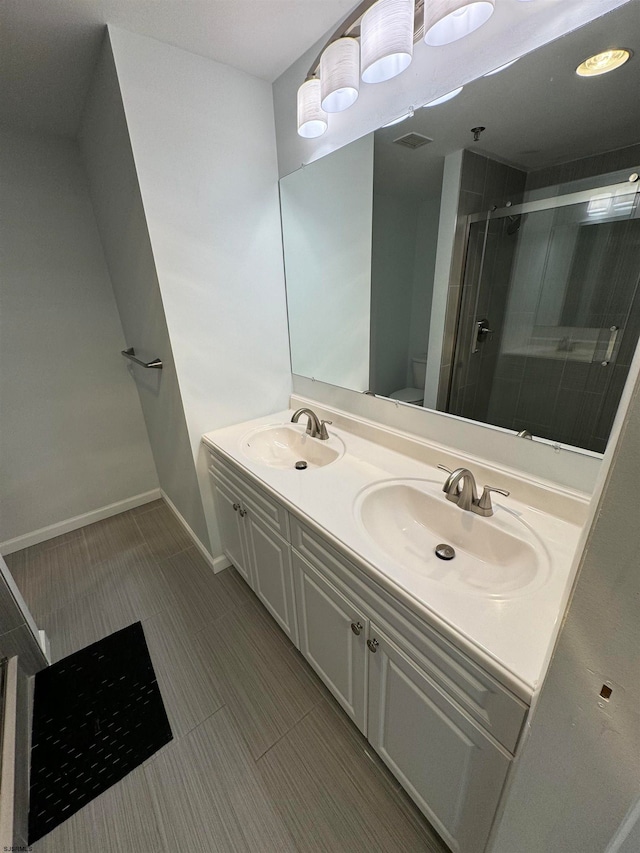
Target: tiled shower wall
x,y
569,401
564,400
484,183
600,164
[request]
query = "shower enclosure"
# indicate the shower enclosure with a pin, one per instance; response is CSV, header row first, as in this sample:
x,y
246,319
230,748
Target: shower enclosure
x,y
549,315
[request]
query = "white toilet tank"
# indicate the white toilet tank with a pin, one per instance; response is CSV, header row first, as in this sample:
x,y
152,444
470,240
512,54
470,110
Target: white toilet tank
x,y
414,395
419,369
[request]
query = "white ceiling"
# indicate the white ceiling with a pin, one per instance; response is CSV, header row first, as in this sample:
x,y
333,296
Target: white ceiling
x,y
48,48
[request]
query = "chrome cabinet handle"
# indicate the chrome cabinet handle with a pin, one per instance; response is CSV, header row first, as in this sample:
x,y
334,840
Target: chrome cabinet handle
x,y
356,627
373,645
236,507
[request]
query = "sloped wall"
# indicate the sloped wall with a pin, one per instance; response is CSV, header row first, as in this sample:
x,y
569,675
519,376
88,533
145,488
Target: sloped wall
x,y
203,142
115,193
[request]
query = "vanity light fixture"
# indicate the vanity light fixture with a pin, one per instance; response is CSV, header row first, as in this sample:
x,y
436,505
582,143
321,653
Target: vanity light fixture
x,y
339,75
602,63
375,43
443,98
386,39
312,119
446,21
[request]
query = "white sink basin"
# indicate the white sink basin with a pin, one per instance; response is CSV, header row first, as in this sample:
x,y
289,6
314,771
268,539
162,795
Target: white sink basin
x,y
496,557
282,445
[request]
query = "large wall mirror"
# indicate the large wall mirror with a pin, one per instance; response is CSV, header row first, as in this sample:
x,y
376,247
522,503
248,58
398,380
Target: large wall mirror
x,y
487,273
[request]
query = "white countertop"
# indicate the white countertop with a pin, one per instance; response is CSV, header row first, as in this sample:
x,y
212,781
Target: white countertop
x,y
509,637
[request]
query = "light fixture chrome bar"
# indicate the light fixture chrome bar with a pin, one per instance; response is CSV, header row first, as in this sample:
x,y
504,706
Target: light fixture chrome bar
x,y
626,188
130,353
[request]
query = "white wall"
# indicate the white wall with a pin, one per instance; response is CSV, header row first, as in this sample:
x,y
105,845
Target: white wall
x,y
423,277
120,215
72,439
203,141
514,29
326,229
392,273
447,228
576,784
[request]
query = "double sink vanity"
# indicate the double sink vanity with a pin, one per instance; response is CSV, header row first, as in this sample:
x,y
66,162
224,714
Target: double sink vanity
x,y
427,614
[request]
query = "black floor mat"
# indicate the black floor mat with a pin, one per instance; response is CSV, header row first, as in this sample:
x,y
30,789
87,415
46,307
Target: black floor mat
x,y
97,715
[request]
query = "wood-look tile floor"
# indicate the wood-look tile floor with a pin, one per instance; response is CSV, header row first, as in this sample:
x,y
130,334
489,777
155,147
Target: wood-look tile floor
x,y
263,759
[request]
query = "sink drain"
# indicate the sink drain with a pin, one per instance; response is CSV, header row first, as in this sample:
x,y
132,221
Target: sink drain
x,y
301,465
445,552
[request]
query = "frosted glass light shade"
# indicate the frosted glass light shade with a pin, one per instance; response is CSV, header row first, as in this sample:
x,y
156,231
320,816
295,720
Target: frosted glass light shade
x,y
386,39
312,119
339,75
449,20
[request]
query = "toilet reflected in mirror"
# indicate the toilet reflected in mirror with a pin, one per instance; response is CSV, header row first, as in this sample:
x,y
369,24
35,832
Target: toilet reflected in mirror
x,y
415,394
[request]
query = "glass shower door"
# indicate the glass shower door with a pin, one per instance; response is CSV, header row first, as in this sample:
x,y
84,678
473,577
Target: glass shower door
x,y
550,316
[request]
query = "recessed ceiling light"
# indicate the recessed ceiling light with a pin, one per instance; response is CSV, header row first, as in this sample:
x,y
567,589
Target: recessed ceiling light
x,y
601,63
444,98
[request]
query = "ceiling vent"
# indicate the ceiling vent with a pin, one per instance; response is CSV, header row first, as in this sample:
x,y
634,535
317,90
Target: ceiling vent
x,y
413,140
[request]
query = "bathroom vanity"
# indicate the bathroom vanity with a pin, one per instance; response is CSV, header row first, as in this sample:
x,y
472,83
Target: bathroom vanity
x,y
435,661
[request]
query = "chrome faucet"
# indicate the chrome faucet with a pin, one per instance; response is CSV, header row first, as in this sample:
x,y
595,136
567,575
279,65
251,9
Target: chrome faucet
x,y
315,427
524,433
460,487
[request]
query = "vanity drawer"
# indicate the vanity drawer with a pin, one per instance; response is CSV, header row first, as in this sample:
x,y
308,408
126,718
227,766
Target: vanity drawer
x,y
475,691
259,502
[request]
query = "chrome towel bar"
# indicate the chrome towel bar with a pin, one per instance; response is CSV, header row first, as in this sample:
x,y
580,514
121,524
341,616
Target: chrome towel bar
x,y
131,354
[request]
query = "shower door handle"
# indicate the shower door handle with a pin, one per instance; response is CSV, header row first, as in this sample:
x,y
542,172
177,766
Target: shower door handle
x,y
613,336
482,333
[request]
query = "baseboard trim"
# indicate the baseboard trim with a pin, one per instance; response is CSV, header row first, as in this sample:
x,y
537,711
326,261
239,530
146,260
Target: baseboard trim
x,y
218,564
53,530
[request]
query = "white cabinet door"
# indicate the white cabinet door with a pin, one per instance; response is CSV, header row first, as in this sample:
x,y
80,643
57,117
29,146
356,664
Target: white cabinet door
x,y
333,633
272,574
231,525
449,766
